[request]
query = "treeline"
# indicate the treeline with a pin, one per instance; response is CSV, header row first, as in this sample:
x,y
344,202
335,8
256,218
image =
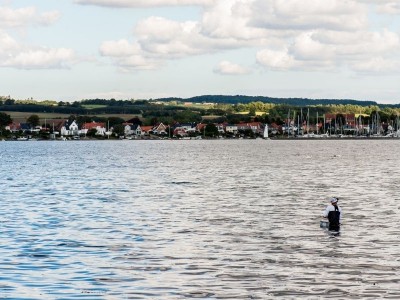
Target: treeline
x,y
71,108
212,109
301,102
215,99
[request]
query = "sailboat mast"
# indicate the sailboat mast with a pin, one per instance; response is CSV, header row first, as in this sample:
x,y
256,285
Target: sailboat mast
x,y
294,120
301,119
298,124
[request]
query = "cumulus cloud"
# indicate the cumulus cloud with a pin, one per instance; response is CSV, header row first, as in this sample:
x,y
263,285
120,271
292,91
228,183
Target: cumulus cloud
x,y
120,48
384,6
229,68
39,59
392,8
229,19
279,60
323,50
128,56
143,3
159,39
309,14
15,53
171,39
7,43
10,18
307,35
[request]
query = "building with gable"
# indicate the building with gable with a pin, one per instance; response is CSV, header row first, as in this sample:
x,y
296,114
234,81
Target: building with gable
x,y
70,129
99,126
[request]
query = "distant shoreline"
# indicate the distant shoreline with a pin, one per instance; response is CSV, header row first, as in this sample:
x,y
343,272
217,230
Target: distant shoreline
x,y
217,139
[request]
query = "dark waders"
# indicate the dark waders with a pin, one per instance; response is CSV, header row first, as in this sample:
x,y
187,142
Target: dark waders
x,y
334,218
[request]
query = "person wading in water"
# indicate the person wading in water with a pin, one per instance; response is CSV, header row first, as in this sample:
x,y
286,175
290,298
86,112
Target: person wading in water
x,y
334,214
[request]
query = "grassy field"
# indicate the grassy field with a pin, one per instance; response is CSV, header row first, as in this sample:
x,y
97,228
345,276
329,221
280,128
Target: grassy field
x,y
21,117
258,113
93,106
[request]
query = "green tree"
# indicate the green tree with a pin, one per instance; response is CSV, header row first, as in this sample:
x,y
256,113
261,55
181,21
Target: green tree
x,y
154,121
252,111
113,121
211,130
247,133
71,118
83,119
119,130
34,120
5,119
135,121
187,116
9,102
92,132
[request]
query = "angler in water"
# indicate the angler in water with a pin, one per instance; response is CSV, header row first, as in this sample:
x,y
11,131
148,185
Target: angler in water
x,y
334,214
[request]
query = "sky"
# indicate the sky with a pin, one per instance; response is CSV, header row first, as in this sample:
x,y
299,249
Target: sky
x,y
69,50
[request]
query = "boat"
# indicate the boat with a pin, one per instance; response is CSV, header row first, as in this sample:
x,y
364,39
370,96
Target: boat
x,y
22,139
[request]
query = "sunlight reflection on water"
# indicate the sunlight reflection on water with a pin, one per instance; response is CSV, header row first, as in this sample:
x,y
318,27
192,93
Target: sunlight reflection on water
x,y
198,219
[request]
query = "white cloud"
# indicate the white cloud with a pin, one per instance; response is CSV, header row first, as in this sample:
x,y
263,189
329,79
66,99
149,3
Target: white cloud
x,y
331,50
389,7
16,17
160,39
39,59
48,18
165,38
307,35
7,43
143,3
229,19
25,16
128,56
276,59
309,14
306,47
229,68
17,54
118,48
392,8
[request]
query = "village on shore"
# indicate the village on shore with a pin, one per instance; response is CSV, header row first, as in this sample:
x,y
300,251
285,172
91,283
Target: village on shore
x,y
329,128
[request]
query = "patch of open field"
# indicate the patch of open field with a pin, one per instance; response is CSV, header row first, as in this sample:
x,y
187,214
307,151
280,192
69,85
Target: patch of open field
x,y
93,106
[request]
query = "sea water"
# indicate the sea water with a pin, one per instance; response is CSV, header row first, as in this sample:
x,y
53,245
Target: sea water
x,y
205,219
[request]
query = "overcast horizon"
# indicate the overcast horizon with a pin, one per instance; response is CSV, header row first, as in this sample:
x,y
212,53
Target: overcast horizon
x,y
70,50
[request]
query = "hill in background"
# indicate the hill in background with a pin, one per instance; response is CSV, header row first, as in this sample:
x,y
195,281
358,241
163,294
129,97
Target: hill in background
x,y
289,101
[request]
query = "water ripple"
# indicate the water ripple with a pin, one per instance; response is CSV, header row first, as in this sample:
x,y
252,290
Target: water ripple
x,y
204,220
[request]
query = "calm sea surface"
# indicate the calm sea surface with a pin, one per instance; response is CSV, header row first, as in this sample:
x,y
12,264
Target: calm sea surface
x,y
198,219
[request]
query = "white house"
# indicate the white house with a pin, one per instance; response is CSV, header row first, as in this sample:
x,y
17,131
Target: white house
x,y
188,127
70,128
100,128
220,128
133,130
160,129
231,128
